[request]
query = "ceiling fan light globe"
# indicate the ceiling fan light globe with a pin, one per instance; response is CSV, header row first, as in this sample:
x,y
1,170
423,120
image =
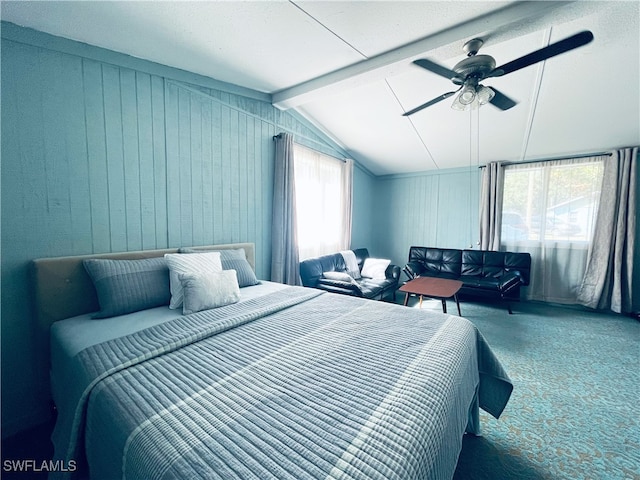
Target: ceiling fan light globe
x,y
485,94
467,96
458,105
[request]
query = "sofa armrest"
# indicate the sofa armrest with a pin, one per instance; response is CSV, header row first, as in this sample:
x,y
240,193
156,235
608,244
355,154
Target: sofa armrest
x,y
413,270
393,272
510,281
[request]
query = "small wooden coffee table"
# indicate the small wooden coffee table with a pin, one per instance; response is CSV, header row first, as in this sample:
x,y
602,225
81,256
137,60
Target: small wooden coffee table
x,y
433,287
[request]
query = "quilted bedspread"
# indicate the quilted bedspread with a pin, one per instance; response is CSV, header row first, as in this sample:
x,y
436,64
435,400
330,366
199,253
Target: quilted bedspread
x,y
297,384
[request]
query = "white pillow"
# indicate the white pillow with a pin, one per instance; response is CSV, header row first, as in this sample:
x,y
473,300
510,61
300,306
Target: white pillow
x,y
208,262
203,291
341,276
375,268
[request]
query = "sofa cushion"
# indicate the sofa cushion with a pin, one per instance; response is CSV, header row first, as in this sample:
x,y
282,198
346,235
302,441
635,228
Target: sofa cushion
x,y
371,287
495,264
437,261
340,286
475,281
375,268
472,263
342,276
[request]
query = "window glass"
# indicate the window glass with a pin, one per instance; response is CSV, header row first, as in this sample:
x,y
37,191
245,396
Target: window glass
x,y
551,201
320,202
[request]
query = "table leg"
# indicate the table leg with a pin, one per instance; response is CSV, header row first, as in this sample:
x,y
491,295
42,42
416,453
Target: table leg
x,y
406,299
444,306
458,304
420,301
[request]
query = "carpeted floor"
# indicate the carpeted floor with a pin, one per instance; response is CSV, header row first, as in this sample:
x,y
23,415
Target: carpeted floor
x,y
575,409
574,412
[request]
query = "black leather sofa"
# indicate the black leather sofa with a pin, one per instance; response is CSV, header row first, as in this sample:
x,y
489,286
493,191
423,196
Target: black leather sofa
x,y
485,274
312,270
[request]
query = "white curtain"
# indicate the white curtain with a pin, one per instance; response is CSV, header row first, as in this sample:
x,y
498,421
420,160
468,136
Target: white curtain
x,y
549,210
323,202
608,281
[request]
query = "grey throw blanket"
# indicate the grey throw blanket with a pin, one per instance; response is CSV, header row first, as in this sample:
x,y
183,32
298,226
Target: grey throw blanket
x,y
351,262
294,385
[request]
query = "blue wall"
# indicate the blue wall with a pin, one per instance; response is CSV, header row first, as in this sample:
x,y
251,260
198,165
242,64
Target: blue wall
x,y
435,209
102,152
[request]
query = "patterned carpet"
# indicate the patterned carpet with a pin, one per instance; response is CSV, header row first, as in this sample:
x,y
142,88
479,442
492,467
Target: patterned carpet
x,y
574,413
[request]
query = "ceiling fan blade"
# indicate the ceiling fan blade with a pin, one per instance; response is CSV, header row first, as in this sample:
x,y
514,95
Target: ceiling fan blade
x,y
575,41
438,69
501,101
429,103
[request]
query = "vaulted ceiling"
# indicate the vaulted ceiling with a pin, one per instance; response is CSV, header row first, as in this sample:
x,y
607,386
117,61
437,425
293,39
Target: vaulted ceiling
x,y
347,67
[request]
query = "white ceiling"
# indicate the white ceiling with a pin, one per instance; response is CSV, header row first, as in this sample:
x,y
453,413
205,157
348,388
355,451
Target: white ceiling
x,y
346,66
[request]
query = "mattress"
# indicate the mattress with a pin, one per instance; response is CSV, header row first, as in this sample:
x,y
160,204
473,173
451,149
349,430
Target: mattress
x,y
292,384
70,336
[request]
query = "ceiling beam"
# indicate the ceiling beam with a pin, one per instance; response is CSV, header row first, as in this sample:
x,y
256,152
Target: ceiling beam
x,y
524,15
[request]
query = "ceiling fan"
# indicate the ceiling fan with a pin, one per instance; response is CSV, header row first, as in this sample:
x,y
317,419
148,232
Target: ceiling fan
x,y
469,72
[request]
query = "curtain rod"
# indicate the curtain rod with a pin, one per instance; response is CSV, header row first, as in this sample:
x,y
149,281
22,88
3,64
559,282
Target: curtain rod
x,y
542,160
344,160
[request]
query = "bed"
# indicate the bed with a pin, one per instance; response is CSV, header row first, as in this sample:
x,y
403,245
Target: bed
x,y
283,383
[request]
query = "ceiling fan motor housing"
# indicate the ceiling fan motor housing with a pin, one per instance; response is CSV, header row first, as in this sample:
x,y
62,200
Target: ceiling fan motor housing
x,y
477,66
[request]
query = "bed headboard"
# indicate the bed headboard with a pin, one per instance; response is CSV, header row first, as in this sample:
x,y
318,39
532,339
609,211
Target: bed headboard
x,y
63,288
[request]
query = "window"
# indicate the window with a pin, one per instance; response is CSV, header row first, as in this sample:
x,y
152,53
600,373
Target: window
x,y
323,205
549,210
551,201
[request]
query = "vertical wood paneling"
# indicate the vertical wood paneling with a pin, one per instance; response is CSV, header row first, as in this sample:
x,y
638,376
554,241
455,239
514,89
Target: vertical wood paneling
x,y
101,158
131,159
144,130
173,164
76,153
57,220
159,174
196,191
218,179
250,179
228,164
241,170
225,168
438,210
115,158
232,173
24,216
207,174
184,199
96,156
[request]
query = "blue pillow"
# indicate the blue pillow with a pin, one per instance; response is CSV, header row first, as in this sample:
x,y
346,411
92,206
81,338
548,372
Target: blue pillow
x,y
232,260
125,286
